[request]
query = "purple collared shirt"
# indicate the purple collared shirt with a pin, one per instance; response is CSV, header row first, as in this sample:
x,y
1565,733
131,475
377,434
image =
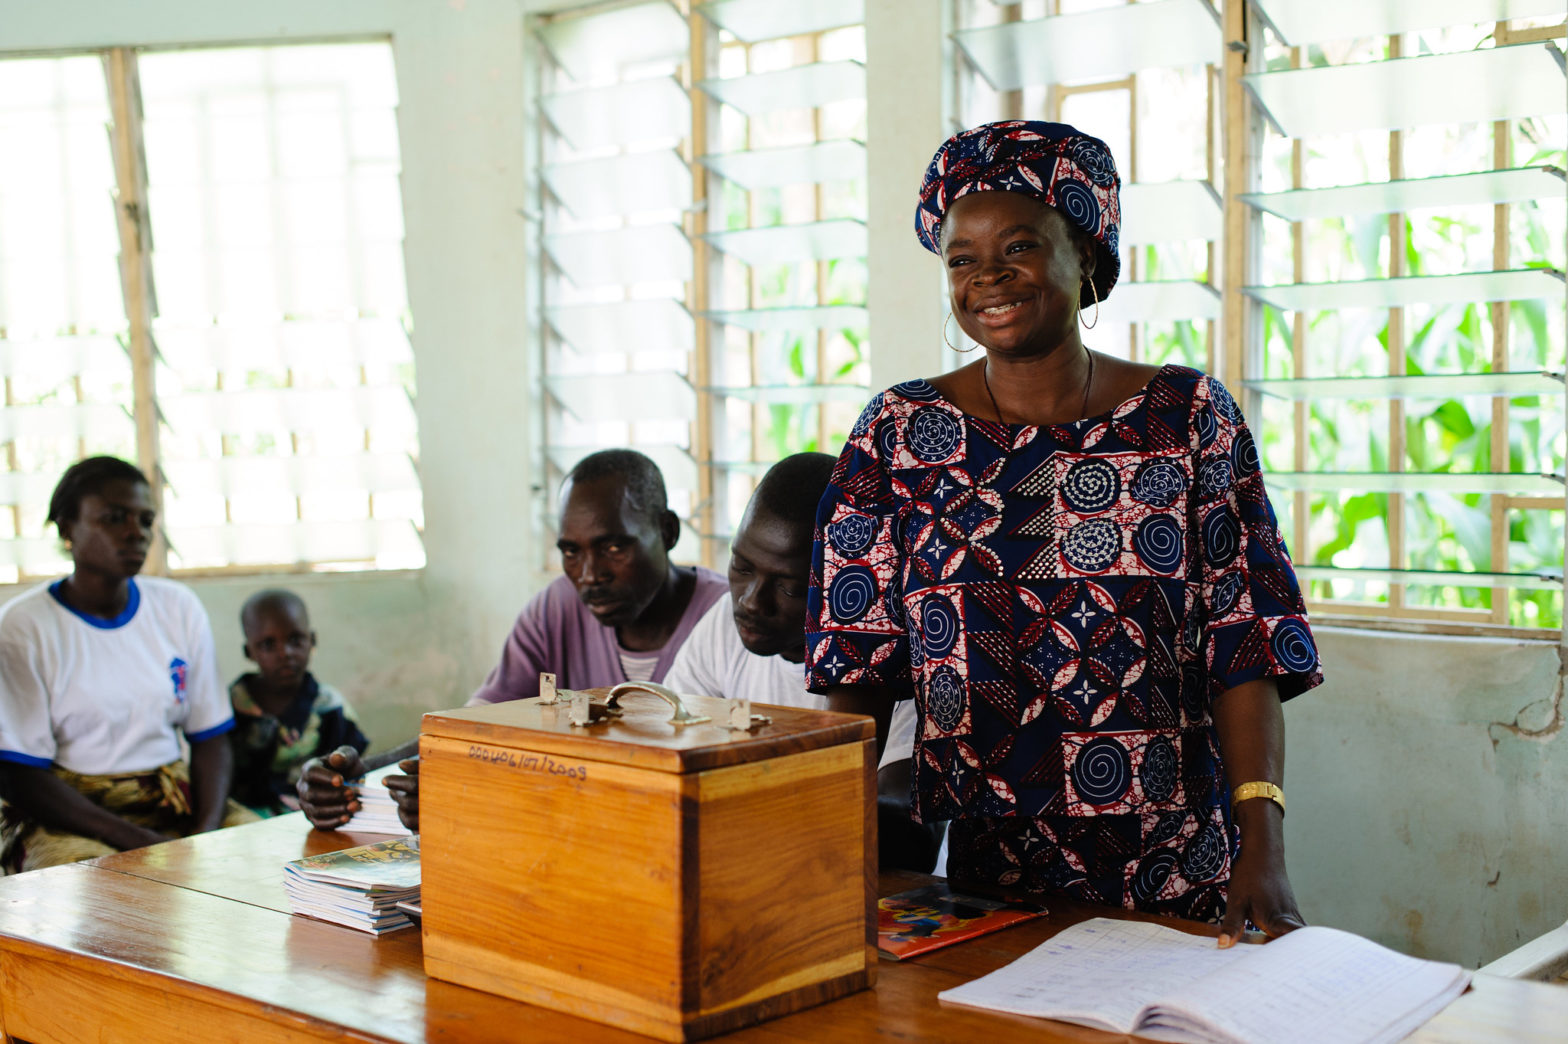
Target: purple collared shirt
x,y
556,632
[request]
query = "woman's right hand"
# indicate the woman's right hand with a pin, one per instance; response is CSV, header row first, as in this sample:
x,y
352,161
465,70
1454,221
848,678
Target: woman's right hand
x,y
323,797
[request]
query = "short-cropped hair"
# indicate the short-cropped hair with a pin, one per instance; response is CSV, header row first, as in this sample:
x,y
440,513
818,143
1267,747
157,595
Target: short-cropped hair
x,y
638,475
86,478
792,488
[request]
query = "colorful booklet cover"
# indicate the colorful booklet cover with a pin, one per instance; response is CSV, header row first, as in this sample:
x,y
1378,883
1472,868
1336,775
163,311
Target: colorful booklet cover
x,y
383,866
929,918
357,887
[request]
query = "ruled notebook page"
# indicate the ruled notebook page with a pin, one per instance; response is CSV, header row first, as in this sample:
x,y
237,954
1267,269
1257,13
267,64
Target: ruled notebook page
x,y
1100,973
1313,986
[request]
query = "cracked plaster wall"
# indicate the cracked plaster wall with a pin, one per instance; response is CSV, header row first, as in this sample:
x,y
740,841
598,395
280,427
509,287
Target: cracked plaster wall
x,y
1428,783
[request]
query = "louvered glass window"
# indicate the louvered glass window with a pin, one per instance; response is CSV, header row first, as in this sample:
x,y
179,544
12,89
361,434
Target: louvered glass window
x,y
62,320
1144,78
616,196
1399,207
231,218
285,374
703,230
1411,201
787,164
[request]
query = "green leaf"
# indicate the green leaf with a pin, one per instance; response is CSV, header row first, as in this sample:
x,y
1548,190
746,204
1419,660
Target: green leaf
x,y
797,357
1364,507
1454,419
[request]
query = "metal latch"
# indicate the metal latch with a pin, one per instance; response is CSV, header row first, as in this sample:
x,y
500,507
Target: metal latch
x,y
580,710
741,718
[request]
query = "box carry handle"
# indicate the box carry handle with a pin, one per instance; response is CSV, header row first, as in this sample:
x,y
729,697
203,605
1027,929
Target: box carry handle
x,y
682,716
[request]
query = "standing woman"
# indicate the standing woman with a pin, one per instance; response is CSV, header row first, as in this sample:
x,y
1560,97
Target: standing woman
x,y
1072,561
97,671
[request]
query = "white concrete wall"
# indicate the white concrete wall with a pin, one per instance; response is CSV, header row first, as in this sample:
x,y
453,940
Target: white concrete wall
x,y
380,642
905,122
1427,780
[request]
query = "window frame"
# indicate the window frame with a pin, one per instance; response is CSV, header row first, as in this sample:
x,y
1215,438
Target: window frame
x,y
1244,345
724,474
133,220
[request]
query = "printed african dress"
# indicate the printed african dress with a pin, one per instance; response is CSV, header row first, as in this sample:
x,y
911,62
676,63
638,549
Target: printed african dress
x,y
1066,602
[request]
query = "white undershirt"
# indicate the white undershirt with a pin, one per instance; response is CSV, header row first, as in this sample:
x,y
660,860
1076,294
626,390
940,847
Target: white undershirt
x,y
638,667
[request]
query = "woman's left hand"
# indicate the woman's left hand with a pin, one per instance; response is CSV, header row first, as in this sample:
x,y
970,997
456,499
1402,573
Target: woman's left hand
x,y
1259,890
1251,731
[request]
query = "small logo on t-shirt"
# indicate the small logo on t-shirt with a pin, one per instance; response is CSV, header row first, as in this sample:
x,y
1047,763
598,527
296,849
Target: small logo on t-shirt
x,y
177,668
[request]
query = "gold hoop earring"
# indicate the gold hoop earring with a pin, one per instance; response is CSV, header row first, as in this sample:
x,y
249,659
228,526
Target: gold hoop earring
x,y
1094,294
950,344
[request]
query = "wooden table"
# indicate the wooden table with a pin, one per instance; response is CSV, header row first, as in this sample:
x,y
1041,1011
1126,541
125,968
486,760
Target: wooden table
x,y
192,940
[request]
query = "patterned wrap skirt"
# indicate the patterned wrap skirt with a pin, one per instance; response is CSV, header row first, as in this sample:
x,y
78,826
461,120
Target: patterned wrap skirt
x,y
158,800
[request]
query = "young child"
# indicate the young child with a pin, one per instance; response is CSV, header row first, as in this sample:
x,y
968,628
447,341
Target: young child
x,y
282,715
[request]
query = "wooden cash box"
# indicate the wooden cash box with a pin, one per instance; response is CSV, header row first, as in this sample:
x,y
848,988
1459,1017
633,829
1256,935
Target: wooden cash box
x,y
659,869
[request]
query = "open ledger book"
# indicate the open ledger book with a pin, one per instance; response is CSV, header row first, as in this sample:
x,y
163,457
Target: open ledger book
x,y
1315,985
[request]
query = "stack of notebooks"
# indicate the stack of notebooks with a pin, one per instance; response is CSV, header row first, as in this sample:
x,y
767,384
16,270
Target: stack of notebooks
x,y
377,811
357,887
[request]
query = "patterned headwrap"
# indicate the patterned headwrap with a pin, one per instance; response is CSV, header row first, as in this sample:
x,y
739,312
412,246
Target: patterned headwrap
x,y
1051,162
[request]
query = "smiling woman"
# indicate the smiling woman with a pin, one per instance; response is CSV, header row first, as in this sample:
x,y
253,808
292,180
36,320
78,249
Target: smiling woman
x,y
98,672
1071,561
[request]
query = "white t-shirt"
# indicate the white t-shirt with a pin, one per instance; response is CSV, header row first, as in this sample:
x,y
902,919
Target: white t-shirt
x,y
713,662
106,696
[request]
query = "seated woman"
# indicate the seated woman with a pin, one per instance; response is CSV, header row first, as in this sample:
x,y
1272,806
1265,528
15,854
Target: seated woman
x,y
97,671
1071,560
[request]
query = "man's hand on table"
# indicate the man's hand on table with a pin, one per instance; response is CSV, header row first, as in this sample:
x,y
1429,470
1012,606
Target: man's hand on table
x,y
323,797
405,791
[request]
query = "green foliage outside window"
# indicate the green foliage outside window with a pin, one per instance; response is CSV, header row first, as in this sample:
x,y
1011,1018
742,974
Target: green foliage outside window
x,y
1443,531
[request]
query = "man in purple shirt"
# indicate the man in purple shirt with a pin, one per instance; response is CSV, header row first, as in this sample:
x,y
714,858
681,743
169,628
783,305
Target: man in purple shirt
x,y
622,609
620,613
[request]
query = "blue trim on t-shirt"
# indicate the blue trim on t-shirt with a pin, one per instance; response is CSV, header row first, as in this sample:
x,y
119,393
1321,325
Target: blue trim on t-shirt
x,y
207,734
25,759
102,623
